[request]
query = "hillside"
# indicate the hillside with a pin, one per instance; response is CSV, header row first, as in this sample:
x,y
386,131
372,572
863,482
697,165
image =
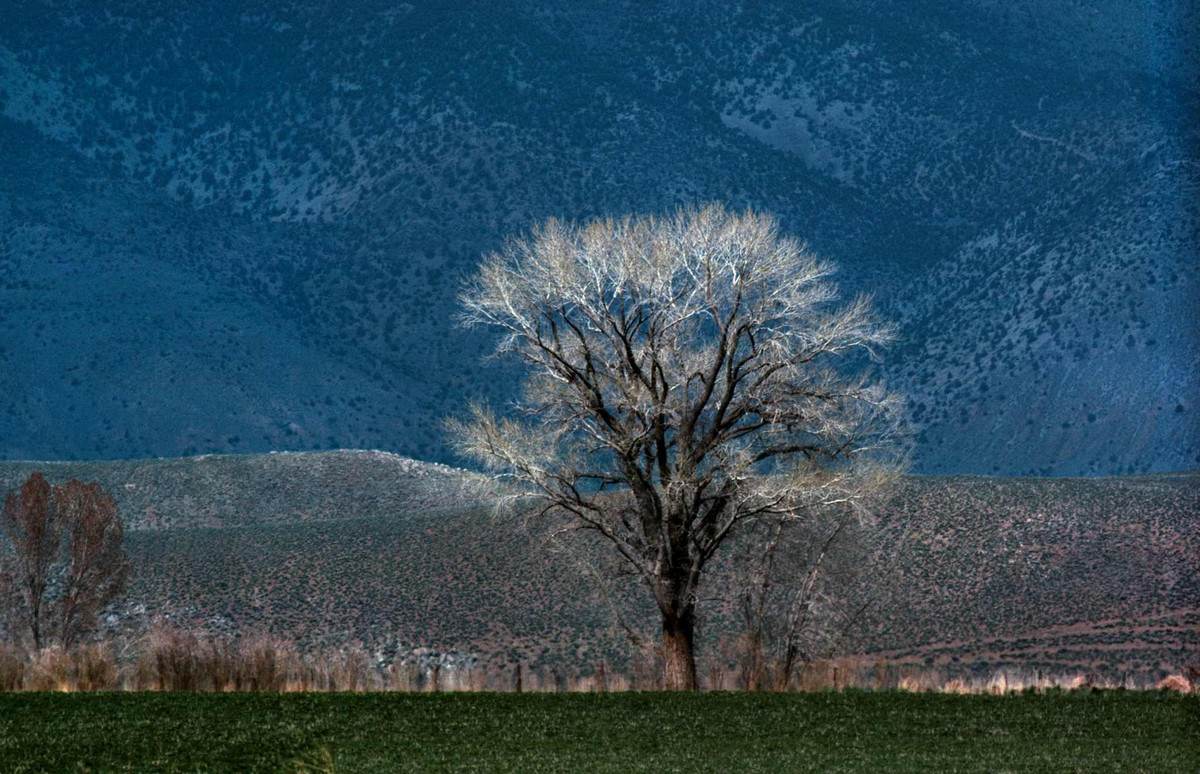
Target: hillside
x,y
222,491
1097,575
228,231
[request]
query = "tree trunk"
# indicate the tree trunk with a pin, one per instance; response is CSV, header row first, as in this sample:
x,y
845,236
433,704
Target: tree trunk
x,y
755,665
679,658
786,670
35,624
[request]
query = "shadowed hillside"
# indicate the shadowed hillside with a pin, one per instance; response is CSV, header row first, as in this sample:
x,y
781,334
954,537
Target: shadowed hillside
x,y
1084,575
235,231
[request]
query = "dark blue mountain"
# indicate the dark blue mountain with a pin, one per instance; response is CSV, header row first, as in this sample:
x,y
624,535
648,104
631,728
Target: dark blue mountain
x,y
231,230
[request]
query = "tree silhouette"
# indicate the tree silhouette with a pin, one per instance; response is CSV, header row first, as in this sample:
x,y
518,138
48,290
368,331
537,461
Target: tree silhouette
x,y
61,560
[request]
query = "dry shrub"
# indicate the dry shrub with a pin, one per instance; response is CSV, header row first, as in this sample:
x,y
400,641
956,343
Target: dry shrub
x,y
921,679
220,666
594,682
459,678
169,659
1175,684
711,672
95,668
350,670
477,679
957,685
1076,683
647,670
263,664
752,663
51,670
434,682
496,678
12,668
402,676
599,678
342,670
532,680
727,667
618,683
997,685
819,676
542,680
175,660
1024,680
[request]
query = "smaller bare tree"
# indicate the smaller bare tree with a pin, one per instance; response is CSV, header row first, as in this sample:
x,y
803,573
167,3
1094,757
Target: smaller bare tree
x,y
97,570
32,537
802,588
9,602
55,589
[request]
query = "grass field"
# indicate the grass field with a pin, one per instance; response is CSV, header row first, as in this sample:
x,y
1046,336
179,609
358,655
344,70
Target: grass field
x,y
1102,732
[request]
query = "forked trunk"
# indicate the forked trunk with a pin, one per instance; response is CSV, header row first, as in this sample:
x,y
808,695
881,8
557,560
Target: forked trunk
x,y
679,658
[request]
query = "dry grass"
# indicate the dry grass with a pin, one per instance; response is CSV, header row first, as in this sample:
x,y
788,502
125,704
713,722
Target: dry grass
x,y
168,659
1176,684
12,668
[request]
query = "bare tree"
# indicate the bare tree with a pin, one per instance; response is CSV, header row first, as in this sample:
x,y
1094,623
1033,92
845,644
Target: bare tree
x,y
31,548
96,570
682,383
56,589
801,588
9,601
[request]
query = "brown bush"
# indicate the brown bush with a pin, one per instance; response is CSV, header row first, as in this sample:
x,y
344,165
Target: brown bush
x,y
95,668
265,664
174,659
1175,684
48,671
12,668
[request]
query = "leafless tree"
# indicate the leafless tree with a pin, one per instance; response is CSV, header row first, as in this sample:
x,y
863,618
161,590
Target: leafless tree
x,y
56,588
801,588
31,548
8,606
97,570
683,382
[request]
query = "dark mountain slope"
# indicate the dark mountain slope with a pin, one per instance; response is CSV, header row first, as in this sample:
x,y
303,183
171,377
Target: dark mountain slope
x,y
114,344
1016,181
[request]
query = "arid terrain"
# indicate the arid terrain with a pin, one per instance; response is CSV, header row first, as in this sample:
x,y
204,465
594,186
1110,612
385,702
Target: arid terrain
x,y
1062,575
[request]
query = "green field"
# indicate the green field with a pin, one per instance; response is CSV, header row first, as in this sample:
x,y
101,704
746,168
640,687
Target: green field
x,y
1107,731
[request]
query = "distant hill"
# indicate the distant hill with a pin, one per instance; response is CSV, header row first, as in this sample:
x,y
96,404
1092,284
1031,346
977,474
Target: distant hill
x,y
221,491
1098,575
237,231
